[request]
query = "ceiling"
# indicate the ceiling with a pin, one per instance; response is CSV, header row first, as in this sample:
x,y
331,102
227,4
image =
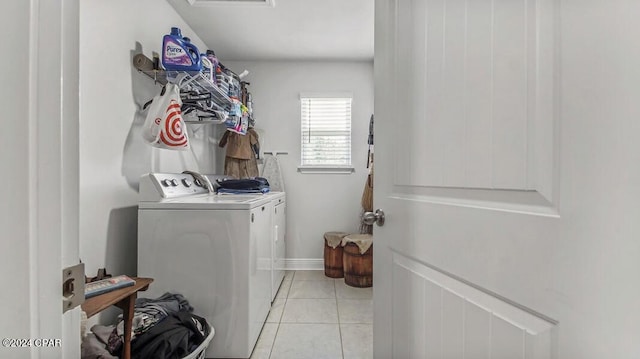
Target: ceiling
x,y
291,30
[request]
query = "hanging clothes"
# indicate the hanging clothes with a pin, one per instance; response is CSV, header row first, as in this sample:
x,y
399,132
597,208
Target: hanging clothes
x,y
240,159
271,171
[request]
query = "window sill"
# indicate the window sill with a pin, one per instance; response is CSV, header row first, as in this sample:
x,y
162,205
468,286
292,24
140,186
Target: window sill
x,y
327,169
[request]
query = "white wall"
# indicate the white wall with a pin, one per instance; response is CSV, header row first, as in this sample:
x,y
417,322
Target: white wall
x,y
112,153
316,203
113,156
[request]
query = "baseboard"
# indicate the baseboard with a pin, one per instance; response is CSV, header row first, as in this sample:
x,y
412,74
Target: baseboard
x,y
304,264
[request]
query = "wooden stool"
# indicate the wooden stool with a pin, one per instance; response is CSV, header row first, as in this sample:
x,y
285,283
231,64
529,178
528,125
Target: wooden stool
x,y
358,268
333,254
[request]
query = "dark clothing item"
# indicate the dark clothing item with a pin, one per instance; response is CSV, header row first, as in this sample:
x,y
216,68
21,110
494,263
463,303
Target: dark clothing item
x,y
160,307
146,314
172,302
244,184
114,343
172,338
94,348
242,191
102,332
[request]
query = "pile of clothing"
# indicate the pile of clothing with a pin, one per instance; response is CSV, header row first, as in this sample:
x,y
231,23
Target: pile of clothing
x,y
164,327
240,186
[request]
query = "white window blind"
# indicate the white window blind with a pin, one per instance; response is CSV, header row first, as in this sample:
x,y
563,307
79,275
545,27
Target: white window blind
x,y
326,130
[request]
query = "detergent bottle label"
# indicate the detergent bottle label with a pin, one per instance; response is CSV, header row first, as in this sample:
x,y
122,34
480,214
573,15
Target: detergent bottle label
x,y
174,54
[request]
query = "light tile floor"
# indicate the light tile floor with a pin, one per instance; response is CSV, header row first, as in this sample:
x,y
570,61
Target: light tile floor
x,y
316,317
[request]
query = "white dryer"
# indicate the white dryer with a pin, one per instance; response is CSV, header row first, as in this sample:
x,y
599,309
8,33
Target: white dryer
x,y
278,245
216,250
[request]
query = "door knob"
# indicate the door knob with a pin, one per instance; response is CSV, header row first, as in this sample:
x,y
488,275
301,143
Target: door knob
x,y
376,217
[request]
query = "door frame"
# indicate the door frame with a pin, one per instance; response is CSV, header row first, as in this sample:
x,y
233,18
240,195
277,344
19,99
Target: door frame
x,y
53,157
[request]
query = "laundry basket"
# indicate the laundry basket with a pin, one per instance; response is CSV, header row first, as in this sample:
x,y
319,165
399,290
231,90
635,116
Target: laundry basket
x,y
198,353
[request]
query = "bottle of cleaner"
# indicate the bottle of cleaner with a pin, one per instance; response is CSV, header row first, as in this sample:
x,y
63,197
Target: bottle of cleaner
x,y
178,53
207,68
214,63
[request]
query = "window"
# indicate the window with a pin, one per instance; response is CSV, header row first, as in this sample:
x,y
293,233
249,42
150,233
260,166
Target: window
x,y
326,132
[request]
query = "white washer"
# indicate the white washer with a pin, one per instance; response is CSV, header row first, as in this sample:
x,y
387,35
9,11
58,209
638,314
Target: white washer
x,y
216,250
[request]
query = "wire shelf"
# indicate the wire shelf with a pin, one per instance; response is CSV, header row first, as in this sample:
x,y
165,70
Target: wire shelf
x,y
200,83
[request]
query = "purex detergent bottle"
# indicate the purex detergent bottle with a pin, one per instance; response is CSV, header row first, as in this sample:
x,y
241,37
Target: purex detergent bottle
x,y
178,54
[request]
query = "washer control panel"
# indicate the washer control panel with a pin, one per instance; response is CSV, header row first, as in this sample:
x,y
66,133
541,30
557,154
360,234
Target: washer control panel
x,y
157,186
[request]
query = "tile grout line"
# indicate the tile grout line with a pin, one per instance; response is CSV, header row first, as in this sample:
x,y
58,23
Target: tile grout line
x,y
335,292
273,344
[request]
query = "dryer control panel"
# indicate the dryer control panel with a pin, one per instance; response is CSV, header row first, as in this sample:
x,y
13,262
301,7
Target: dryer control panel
x,y
157,186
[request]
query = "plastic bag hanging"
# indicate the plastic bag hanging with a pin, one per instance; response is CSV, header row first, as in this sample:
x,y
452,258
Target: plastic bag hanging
x,y
164,126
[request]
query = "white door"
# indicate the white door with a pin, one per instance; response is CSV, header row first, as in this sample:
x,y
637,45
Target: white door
x,y
40,170
507,166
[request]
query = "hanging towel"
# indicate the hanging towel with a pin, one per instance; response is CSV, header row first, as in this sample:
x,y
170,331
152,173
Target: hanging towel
x,y
240,160
334,239
239,146
363,241
271,171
